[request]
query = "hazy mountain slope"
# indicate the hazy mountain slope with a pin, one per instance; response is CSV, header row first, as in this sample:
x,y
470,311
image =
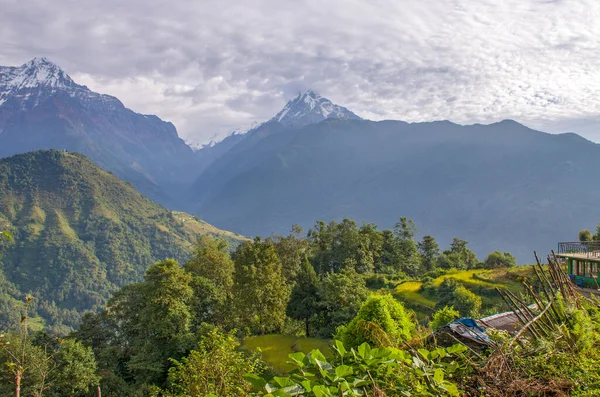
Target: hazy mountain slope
x,y
500,186
41,107
80,232
305,109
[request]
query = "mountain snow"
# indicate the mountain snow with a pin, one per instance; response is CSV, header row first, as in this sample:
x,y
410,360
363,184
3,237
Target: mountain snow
x,y
38,79
309,108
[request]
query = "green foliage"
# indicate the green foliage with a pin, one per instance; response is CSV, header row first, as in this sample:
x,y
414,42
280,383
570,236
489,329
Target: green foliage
x,y
368,371
442,317
340,296
80,233
429,250
215,367
212,281
498,259
585,235
453,293
75,370
260,291
304,298
339,246
458,256
31,362
466,302
211,261
382,321
292,251
144,325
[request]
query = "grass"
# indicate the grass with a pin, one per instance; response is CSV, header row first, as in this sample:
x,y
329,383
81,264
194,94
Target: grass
x,y
276,348
480,281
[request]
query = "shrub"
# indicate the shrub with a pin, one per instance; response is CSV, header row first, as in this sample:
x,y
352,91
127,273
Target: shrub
x,y
381,321
443,316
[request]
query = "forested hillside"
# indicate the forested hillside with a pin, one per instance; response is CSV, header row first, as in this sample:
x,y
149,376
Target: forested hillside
x,y
80,233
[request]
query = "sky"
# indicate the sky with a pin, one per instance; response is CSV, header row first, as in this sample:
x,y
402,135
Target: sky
x,y
211,67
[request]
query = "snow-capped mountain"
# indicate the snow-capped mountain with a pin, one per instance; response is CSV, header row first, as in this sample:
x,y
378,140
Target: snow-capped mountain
x,y
41,107
310,108
32,82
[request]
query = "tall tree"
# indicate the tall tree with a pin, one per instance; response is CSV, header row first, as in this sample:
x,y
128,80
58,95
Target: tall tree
x,y
75,369
405,246
212,281
211,261
260,291
303,300
459,255
291,250
340,296
429,250
154,320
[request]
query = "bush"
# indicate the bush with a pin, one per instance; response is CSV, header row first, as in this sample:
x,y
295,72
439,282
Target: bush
x,y
467,303
381,321
443,317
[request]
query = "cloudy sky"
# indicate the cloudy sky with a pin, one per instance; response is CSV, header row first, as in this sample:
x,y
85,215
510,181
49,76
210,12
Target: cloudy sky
x,y
213,66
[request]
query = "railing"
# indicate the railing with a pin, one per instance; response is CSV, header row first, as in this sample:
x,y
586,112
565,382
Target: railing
x,y
587,248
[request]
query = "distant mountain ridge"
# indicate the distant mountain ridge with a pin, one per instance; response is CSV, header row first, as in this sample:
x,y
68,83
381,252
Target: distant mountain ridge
x,y
41,107
80,233
500,186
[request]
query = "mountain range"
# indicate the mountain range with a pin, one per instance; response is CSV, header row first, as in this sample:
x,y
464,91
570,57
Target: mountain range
x,y
41,107
500,186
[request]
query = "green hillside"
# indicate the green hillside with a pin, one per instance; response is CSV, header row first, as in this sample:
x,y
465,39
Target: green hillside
x,y
80,233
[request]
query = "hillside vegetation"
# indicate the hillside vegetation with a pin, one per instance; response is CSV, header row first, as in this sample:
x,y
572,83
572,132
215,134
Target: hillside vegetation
x,y
80,233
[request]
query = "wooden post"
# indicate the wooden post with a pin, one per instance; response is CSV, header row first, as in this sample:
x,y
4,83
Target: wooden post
x,y
18,383
99,391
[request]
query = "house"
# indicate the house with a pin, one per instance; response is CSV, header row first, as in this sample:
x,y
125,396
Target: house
x,y
583,262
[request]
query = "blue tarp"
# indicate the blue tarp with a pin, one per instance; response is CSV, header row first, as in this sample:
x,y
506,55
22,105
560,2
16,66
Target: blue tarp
x,y
470,329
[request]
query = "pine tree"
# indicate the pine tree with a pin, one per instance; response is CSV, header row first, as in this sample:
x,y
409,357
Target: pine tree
x,y
303,299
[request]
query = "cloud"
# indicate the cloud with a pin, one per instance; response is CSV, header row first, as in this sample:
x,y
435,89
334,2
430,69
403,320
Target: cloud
x,y
213,66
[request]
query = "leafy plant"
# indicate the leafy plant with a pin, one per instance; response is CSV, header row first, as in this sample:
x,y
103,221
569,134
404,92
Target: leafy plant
x,y
368,371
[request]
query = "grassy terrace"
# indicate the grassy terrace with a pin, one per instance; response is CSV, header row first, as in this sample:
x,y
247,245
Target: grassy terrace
x,y
481,282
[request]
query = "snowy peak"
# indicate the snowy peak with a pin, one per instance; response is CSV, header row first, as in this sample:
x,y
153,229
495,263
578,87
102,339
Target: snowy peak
x,y
310,108
39,72
39,79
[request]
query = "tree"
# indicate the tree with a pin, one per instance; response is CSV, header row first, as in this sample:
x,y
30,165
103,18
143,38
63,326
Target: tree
x,y
405,248
153,320
26,366
498,259
291,250
340,296
429,250
217,368
212,281
303,300
75,369
211,261
382,321
585,235
339,246
260,291
459,256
